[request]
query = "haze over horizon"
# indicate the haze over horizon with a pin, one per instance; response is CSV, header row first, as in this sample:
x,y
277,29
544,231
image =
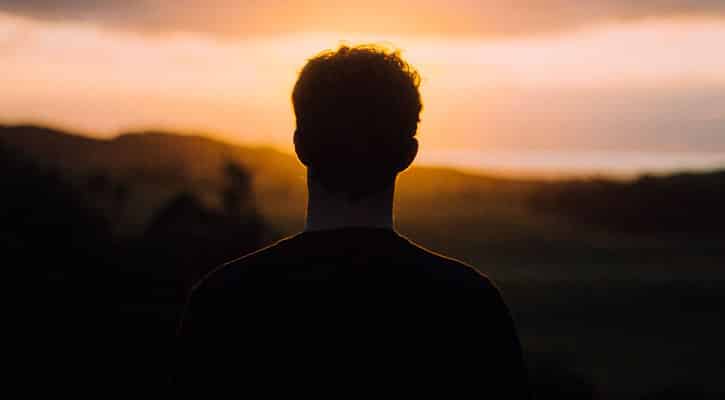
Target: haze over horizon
x,y
607,85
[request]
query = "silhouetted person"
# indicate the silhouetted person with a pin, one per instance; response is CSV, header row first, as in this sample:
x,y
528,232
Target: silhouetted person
x,y
350,308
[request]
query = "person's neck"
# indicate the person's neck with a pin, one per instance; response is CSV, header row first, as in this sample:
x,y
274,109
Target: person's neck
x,y
327,210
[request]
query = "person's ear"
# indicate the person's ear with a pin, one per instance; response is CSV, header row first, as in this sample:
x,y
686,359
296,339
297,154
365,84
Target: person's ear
x,y
300,149
410,152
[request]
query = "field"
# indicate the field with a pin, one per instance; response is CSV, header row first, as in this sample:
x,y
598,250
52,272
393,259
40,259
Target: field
x,y
617,287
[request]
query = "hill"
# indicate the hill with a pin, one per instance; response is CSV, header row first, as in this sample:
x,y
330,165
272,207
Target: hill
x,y
153,166
150,168
609,281
158,164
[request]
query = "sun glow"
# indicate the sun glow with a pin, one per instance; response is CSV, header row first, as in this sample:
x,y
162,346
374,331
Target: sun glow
x,y
478,93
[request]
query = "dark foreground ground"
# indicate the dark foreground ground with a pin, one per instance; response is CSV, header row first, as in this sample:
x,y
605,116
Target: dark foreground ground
x,y
618,288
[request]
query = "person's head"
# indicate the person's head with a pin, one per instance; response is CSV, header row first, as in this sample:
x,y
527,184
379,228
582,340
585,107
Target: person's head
x,y
357,111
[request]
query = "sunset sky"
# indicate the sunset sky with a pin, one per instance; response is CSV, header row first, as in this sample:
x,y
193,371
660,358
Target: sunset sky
x,y
608,85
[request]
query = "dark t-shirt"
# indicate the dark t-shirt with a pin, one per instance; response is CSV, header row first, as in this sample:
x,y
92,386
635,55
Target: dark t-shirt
x,y
349,313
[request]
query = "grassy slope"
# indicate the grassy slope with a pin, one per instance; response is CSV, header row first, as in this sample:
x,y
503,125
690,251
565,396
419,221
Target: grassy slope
x,y
630,313
484,220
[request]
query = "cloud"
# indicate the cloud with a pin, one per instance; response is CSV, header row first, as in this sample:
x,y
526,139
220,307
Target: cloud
x,y
271,17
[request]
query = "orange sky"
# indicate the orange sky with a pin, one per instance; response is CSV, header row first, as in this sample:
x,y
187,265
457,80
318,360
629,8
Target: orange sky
x,y
637,85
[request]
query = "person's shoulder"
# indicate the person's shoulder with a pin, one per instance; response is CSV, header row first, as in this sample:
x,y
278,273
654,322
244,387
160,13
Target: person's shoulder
x,y
450,269
235,272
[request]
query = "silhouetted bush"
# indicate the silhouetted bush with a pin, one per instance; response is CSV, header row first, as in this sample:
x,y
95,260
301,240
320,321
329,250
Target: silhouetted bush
x,y
55,229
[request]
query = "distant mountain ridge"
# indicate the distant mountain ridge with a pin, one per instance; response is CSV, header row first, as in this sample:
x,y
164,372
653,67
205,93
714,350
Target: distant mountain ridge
x,y
194,155
164,163
157,165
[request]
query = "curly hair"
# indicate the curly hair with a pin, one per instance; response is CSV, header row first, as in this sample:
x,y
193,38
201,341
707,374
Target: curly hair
x,y
357,111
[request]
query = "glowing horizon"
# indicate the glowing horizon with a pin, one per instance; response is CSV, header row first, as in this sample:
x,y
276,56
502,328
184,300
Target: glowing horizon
x,y
656,85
